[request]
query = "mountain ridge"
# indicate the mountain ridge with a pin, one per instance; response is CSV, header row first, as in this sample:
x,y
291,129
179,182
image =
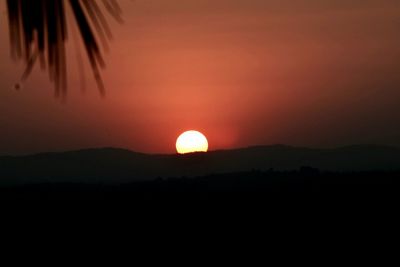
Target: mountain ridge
x,y
115,165
252,147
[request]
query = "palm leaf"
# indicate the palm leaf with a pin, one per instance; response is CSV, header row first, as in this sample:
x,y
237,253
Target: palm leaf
x,y
38,30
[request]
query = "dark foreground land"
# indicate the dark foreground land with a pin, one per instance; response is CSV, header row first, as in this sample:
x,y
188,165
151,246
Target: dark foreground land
x,y
234,194
254,175
304,184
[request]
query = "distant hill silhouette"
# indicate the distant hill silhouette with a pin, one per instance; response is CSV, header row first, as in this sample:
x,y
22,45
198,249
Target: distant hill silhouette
x,y
115,166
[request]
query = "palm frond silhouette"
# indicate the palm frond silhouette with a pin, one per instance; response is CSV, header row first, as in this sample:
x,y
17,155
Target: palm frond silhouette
x,y
38,32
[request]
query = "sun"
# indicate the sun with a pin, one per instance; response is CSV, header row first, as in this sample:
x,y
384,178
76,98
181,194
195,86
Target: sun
x,y
190,142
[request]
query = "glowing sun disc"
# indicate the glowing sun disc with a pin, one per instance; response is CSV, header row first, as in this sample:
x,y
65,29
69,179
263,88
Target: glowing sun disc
x,y
190,142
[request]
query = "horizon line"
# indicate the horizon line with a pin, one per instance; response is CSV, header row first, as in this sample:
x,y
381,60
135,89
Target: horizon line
x,y
210,151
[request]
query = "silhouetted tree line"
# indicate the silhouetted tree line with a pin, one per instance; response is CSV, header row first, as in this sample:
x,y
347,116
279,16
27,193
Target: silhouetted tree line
x,y
304,183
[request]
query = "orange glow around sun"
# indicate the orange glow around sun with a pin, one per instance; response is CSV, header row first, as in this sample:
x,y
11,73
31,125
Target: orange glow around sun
x,y
190,142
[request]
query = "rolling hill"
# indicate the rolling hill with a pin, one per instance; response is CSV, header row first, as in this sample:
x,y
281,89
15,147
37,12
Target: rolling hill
x,y
115,166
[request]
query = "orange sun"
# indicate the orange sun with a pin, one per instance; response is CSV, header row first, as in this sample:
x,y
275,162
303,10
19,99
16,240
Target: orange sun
x,y
191,141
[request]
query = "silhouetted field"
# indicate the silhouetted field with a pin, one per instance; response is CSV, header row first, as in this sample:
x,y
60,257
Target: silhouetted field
x,y
305,184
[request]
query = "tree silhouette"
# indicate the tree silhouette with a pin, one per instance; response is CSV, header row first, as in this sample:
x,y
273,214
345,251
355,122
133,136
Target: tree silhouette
x,y
38,32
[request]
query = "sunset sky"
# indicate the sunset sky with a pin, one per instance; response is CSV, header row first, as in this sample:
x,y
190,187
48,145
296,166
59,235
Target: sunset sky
x,y
317,73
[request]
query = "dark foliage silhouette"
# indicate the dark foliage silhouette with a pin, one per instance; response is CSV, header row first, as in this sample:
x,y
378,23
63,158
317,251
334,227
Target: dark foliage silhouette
x,y
303,184
38,30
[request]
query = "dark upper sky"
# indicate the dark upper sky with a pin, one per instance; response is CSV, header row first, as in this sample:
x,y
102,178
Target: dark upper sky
x,y
244,72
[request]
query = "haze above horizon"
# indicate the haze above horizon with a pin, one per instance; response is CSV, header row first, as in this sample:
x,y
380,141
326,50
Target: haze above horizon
x,y
307,73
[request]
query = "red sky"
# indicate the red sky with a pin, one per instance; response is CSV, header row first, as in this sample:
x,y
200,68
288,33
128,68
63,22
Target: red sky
x,y
310,73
